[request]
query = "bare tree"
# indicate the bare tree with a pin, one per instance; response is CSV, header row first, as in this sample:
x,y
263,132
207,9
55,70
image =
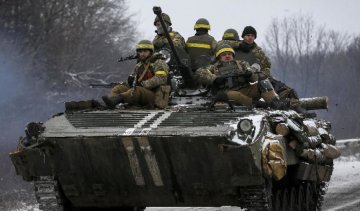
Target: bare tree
x,y
300,47
75,42
318,61
52,50
279,43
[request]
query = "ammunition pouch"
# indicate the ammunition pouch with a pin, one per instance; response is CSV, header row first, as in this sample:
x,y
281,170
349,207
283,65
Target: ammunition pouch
x,y
265,86
162,96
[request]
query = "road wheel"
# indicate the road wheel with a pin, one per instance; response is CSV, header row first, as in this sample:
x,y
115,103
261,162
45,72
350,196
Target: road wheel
x,y
300,202
310,197
285,200
292,198
277,200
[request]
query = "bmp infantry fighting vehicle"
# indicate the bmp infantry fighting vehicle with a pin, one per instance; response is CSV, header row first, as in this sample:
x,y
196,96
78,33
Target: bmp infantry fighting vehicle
x,y
193,153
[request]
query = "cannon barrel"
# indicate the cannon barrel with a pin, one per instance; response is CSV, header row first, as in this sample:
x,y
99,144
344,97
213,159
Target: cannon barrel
x,y
185,70
158,13
314,103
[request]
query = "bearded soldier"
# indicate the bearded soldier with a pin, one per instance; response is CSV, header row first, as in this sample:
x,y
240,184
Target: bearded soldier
x,y
201,47
160,40
231,78
147,85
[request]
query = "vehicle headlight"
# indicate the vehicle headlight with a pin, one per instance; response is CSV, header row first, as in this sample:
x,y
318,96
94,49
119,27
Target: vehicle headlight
x,y
245,126
166,54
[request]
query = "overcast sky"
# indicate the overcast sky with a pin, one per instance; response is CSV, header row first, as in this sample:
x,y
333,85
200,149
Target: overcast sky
x,y
339,15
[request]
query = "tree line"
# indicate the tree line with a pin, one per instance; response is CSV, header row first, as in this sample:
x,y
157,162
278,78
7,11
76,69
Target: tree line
x,y
317,61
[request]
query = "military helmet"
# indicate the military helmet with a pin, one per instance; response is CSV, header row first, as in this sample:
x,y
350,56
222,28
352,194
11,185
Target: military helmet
x,y
202,23
166,18
224,48
231,34
145,45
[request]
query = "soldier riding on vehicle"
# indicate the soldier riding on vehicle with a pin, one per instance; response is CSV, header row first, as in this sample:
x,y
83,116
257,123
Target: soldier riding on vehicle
x,y
249,51
160,39
201,47
147,85
231,79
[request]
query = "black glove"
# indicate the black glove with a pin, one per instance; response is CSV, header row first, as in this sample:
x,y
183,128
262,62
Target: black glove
x,y
131,79
219,81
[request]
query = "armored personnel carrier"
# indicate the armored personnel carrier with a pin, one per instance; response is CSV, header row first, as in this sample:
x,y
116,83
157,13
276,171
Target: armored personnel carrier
x,y
194,153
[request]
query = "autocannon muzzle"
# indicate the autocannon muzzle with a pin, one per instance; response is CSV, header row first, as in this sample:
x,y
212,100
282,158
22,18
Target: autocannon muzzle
x,y
314,103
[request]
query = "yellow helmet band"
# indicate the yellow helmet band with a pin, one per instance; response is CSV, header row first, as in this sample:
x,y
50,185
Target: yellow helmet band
x,y
145,46
202,26
227,35
224,50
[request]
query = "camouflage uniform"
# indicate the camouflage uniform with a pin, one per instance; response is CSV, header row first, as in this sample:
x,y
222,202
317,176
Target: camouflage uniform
x,y
148,85
201,47
253,54
160,41
233,43
230,37
144,92
242,93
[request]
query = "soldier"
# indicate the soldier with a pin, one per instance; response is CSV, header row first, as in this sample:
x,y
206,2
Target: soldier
x,y
230,37
160,40
147,85
249,51
201,47
232,78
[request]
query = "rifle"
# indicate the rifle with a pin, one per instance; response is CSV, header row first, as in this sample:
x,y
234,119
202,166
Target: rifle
x,y
133,85
130,57
109,85
232,79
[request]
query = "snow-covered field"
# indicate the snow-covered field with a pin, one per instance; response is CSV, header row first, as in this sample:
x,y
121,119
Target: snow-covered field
x,y
344,188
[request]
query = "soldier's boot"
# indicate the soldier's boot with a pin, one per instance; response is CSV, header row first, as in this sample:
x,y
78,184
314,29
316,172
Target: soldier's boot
x,y
261,104
221,97
71,106
111,102
96,104
81,105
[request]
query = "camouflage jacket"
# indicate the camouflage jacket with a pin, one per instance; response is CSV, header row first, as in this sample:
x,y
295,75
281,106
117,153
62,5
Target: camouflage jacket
x,y
244,51
161,41
156,73
233,43
207,75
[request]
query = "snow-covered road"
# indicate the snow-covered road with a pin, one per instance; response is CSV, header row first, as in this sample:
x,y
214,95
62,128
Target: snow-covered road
x,y
344,188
